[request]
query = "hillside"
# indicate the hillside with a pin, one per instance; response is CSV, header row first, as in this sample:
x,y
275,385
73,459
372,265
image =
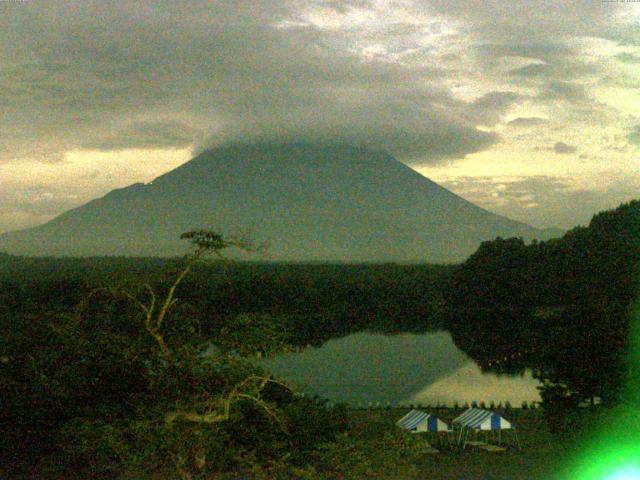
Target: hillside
x,y
309,202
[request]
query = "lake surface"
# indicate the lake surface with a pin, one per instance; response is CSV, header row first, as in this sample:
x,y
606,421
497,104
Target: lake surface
x,y
425,369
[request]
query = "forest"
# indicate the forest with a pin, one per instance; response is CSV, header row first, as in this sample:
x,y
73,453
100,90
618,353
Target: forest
x,y
311,302
562,308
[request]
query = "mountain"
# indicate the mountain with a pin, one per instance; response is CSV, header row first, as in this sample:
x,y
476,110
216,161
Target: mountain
x,y
309,202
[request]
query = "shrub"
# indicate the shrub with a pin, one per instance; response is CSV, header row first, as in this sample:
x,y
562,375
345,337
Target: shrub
x,y
560,409
89,448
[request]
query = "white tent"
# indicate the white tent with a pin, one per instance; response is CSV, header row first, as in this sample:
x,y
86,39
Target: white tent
x,y
477,420
417,422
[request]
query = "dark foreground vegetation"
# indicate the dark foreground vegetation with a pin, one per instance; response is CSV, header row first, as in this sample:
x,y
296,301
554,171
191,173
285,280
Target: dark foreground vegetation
x,y
115,368
142,368
370,446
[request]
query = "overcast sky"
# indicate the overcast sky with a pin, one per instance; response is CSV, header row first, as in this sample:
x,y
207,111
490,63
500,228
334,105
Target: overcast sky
x,y
530,108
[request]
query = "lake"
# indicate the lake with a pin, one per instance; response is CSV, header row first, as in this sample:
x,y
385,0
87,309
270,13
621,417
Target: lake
x,y
400,369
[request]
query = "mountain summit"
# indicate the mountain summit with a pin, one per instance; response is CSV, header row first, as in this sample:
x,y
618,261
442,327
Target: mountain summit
x,y
309,202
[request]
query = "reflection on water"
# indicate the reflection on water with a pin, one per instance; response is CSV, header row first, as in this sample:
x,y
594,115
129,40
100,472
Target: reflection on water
x,y
469,383
399,369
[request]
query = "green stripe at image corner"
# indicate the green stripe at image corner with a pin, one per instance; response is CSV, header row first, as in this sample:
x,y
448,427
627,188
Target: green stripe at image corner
x,y
613,450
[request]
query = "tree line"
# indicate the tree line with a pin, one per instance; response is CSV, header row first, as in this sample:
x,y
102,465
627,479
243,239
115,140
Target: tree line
x,y
561,308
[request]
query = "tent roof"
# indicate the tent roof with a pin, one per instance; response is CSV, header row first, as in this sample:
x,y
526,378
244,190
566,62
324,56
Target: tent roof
x,y
422,422
479,419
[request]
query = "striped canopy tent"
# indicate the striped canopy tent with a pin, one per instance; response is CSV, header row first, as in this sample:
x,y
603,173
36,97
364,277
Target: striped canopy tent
x,y
418,422
478,419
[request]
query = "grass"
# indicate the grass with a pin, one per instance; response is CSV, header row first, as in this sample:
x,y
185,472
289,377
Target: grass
x,y
375,448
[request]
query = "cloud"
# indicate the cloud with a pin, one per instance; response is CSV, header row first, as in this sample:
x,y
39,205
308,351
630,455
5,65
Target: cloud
x,y
533,70
564,91
527,122
148,135
80,74
525,48
634,135
94,77
561,69
563,148
628,58
490,107
532,19
542,200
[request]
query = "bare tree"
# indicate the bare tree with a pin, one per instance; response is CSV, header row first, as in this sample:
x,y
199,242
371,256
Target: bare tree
x,y
206,244
218,406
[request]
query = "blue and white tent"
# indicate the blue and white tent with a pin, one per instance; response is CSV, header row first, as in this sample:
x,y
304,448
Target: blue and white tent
x,y
417,421
478,419
478,422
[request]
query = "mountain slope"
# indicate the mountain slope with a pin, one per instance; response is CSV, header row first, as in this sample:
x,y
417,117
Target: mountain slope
x,y
309,202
